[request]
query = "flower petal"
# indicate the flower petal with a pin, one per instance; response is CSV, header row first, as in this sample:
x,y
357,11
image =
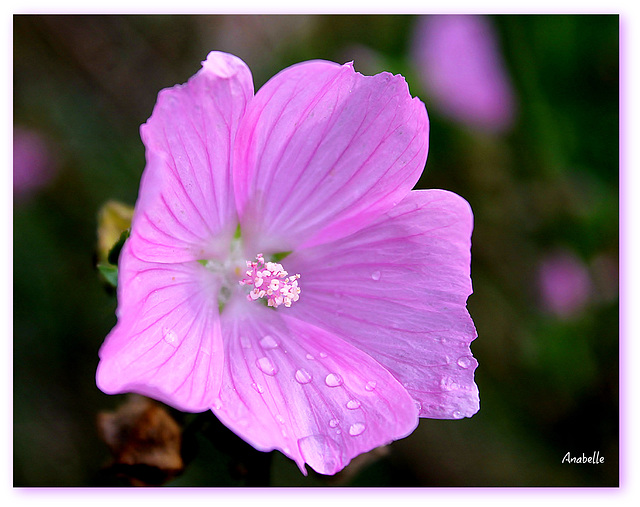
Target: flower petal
x,y
186,194
322,151
397,290
167,344
294,387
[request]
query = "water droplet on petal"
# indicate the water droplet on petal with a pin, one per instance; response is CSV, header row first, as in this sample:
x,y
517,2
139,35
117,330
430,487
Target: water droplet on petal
x,y
280,419
376,275
170,337
333,380
371,385
356,429
309,356
448,384
464,362
333,423
245,342
303,376
258,388
266,366
353,404
456,414
268,342
323,354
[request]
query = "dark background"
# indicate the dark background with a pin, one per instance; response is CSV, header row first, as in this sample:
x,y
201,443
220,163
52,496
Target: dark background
x,y
548,383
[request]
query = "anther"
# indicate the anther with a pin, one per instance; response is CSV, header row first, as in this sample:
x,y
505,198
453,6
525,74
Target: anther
x,y
270,280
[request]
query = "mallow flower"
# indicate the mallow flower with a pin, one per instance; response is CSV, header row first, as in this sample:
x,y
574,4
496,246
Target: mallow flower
x,y
565,284
34,164
459,61
281,272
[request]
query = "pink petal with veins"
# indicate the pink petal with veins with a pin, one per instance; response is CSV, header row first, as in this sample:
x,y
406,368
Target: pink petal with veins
x,y
167,343
322,151
397,290
291,386
185,209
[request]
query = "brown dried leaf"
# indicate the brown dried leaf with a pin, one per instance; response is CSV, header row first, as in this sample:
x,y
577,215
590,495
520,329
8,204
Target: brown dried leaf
x,y
145,441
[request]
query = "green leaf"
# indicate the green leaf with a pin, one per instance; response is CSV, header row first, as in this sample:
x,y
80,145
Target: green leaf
x,y
277,257
110,273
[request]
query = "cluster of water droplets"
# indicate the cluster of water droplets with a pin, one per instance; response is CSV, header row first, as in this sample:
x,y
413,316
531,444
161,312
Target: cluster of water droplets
x,y
346,422
449,383
303,376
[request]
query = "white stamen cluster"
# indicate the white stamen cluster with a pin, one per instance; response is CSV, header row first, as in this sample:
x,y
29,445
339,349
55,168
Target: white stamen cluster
x,y
269,280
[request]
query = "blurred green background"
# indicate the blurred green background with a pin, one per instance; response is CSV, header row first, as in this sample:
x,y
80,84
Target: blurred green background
x,y
548,381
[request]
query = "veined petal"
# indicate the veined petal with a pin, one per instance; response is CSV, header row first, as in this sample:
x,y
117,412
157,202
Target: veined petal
x,y
398,290
186,210
167,344
322,151
293,387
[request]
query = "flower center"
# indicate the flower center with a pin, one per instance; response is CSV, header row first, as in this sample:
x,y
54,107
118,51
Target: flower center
x,y
271,281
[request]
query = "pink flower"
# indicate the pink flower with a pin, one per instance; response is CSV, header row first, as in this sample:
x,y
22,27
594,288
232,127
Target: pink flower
x,y
303,189
33,164
565,284
462,69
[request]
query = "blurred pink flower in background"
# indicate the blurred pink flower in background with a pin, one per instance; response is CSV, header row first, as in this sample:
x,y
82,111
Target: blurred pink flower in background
x,y
33,164
312,175
564,283
459,61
